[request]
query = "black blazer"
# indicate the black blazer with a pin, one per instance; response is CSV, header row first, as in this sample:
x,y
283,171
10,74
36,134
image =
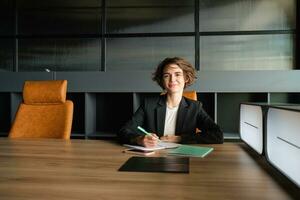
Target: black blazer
x,y
151,116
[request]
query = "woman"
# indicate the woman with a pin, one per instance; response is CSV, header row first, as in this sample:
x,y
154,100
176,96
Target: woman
x,y
171,117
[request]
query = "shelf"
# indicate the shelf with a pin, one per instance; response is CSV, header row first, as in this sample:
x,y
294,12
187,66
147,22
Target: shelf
x,y
102,135
5,115
100,115
285,98
78,100
208,103
113,110
3,134
231,136
228,109
138,98
77,135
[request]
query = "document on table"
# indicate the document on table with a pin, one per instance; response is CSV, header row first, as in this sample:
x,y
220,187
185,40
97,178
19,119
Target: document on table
x,y
160,145
191,151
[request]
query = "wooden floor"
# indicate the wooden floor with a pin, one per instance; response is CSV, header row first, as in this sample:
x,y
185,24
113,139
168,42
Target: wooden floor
x,y
88,169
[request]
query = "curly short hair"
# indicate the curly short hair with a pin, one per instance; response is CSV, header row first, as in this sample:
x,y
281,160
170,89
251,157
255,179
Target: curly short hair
x,y
187,68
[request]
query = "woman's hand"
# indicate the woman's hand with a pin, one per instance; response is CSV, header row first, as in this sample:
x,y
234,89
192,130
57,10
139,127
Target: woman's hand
x,y
171,138
147,140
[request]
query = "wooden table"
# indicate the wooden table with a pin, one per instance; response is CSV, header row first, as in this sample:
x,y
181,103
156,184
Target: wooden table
x,y
88,169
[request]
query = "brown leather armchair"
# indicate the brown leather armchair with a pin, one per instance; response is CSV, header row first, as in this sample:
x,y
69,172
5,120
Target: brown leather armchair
x,y
45,112
190,95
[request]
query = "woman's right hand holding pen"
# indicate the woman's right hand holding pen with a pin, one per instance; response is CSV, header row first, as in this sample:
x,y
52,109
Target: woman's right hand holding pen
x,y
147,140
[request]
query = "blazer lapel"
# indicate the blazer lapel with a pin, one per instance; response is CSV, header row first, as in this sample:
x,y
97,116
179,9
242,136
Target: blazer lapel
x,y
160,116
181,116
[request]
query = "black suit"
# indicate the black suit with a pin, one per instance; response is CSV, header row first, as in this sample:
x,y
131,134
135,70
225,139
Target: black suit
x,y
151,116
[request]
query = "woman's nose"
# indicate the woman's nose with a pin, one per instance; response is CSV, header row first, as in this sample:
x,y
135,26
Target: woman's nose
x,y
172,77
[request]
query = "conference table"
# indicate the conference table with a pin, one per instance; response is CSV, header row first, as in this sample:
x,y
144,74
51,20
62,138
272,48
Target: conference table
x,y
88,169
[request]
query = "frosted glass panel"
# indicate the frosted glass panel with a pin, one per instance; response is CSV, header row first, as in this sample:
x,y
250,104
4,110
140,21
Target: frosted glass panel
x,y
59,54
130,16
6,17
247,52
63,21
57,3
239,15
59,17
6,55
146,53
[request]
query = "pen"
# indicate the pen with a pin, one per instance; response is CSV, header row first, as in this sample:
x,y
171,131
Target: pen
x,y
143,130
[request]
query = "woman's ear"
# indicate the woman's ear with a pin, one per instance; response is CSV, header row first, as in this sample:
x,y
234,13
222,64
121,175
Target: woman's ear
x,y
186,80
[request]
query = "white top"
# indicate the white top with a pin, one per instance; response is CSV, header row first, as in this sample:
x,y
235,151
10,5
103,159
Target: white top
x,y
170,121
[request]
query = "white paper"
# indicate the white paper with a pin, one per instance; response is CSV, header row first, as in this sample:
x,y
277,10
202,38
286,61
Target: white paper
x,y
159,146
144,148
168,145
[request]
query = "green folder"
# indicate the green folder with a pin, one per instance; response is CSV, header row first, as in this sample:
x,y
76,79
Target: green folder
x,y
191,151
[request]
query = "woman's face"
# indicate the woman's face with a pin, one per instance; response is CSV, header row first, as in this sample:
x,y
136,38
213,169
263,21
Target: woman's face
x,y
173,79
